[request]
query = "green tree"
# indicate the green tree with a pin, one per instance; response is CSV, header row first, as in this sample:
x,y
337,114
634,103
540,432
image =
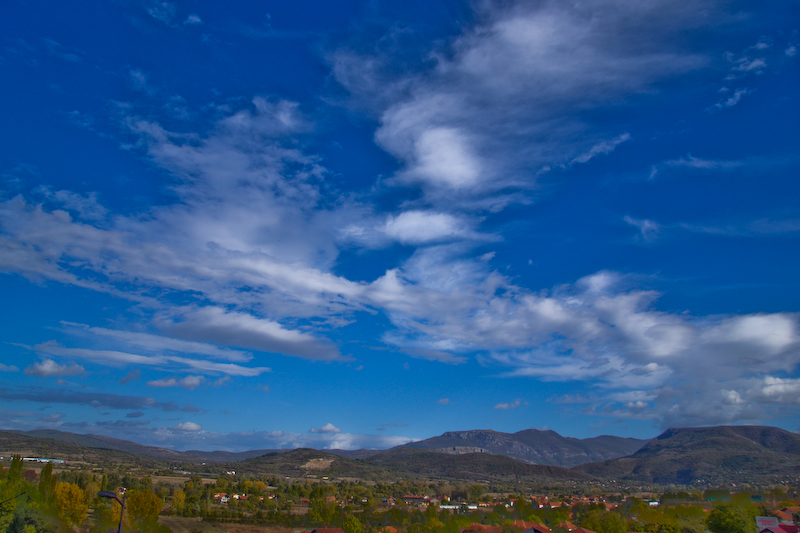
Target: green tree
x,y
604,522
738,517
351,524
15,470
47,483
475,492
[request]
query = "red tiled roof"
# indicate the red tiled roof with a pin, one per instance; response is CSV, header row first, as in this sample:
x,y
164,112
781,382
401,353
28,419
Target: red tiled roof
x,y
781,528
483,528
536,526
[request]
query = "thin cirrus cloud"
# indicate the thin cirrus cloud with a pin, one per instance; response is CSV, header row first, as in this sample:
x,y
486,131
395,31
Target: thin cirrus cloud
x,y
89,399
117,358
156,343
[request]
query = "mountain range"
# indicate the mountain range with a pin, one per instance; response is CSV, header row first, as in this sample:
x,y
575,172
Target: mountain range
x,y
533,446
685,456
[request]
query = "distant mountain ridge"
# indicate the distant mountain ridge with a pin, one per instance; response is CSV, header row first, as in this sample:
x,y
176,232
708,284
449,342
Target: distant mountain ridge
x,y
679,456
709,455
533,446
530,446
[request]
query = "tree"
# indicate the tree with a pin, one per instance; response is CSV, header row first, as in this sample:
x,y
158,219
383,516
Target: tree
x,y
604,522
178,500
475,492
47,482
71,504
142,510
15,470
736,517
351,524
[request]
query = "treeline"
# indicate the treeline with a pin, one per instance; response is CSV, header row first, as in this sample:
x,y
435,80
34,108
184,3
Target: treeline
x,y
50,502
358,507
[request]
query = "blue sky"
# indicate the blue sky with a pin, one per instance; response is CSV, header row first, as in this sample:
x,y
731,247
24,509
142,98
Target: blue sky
x,y
353,224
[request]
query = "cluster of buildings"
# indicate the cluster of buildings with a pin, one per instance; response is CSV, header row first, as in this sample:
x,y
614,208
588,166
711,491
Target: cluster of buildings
x,y
224,497
784,521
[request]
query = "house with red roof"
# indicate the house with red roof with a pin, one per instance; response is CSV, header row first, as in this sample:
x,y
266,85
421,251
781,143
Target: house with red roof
x,y
536,527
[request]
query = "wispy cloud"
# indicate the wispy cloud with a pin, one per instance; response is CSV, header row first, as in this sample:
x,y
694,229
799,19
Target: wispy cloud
x,y
161,11
117,358
90,399
463,129
694,162
648,229
601,148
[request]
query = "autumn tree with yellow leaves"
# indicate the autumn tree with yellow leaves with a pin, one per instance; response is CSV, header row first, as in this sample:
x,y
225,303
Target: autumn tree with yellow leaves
x,y
71,504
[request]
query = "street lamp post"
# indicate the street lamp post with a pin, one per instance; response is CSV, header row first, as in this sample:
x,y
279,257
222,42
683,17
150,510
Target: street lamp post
x,y
113,496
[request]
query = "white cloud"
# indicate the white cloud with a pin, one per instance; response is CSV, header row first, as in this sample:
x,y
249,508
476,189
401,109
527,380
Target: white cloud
x,y
140,81
602,148
8,368
158,343
116,358
327,428
188,426
648,229
505,97
781,390
244,330
732,100
193,19
49,368
85,206
510,405
419,227
188,382
442,157
695,162
747,65
443,401
161,11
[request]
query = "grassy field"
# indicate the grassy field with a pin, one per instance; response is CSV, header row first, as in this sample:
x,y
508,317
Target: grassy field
x,y
179,524
180,480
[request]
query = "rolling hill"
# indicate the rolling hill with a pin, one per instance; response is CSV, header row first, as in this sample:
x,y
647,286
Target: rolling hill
x,y
407,463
